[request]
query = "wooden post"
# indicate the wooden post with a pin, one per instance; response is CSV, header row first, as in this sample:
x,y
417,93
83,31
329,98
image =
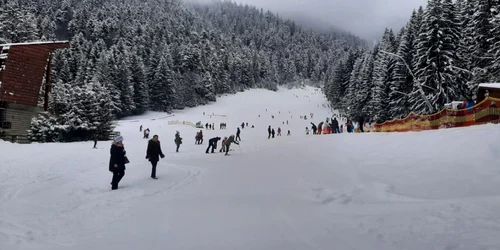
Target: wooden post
x,y
48,84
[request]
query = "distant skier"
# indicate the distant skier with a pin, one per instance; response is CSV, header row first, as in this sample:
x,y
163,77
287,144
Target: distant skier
x,y
206,125
117,161
140,128
279,131
247,124
228,143
153,154
289,134
269,132
212,143
273,132
178,141
243,125
286,122
238,132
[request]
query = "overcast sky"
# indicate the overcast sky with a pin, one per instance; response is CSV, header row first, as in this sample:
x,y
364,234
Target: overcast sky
x,y
365,18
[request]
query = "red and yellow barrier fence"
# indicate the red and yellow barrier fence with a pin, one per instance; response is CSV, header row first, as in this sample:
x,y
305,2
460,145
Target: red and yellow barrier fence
x,y
484,112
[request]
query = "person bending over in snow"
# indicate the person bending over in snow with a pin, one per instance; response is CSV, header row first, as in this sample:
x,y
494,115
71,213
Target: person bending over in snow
x,y
228,143
213,144
153,154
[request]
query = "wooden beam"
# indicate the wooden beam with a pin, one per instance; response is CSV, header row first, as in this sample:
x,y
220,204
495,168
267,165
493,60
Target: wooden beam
x,y
48,85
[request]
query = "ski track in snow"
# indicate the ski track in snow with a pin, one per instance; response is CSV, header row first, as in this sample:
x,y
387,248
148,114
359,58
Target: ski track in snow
x,y
436,190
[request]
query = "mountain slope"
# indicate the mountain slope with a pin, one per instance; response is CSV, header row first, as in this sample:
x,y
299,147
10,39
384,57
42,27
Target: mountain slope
x,y
414,191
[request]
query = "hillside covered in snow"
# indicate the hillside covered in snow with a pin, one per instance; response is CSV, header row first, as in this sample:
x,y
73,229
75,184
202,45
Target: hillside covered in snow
x,y
428,190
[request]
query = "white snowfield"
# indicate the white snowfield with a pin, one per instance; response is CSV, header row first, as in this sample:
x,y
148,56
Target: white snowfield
x,y
415,191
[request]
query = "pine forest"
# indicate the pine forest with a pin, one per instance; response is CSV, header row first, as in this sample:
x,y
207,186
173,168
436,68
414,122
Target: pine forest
x,y
130,56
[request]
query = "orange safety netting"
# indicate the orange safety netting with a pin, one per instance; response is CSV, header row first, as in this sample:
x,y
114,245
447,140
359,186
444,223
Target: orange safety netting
x,y
484,112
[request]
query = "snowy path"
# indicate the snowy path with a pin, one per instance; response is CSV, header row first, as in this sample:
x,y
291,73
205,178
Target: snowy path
x,y
432,190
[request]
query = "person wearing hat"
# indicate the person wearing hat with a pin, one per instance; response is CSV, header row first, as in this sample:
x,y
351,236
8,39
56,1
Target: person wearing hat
x,y
117,161
153,154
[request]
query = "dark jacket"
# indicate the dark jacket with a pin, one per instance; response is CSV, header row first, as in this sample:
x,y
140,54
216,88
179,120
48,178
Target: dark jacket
x,y
117,157
153,153
238,131
335,123
214,140
178,139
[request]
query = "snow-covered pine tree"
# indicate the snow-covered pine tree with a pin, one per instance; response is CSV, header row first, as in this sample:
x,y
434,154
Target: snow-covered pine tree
x,y
402,84
161,89
141,89
122,79
17,24
355,85
480,28
382,72
437,56
494,51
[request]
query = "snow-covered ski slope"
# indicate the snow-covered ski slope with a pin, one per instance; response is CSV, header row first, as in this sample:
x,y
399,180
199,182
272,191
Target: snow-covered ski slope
x,y
416,191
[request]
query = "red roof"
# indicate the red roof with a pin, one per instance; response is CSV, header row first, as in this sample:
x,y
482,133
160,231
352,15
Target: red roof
x,y
22,68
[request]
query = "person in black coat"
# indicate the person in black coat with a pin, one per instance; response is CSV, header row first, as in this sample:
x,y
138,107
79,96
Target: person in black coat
x,y
238,132
213,144
153,154
117,161
335,125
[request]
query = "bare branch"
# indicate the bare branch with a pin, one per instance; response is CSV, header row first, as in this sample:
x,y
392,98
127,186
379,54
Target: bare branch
x,y
420,90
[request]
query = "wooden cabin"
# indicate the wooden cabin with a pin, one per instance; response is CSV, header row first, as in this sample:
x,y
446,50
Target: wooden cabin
x,y
23,67
488,89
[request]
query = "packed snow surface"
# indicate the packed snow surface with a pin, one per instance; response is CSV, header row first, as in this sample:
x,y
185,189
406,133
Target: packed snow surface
x,y
415,191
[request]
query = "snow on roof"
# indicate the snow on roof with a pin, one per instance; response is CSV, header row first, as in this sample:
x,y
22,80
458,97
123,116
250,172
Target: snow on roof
x,y
490,85
33,43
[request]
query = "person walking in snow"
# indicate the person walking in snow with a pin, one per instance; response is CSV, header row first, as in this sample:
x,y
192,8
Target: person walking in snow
x,y
213,126
178,141
147,133
117,161
153,154
279,131
273,132
269,132
228,143
238,131
243,125
320,128
289,134
95,138
140,128
212,143
206,125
